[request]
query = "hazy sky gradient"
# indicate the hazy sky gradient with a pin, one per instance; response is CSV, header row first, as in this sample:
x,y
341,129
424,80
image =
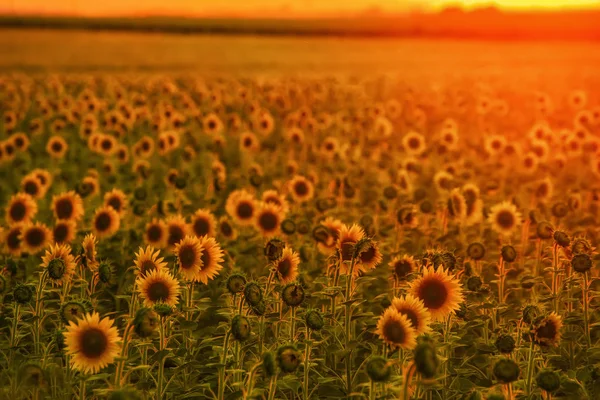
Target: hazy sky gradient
x,y
241,7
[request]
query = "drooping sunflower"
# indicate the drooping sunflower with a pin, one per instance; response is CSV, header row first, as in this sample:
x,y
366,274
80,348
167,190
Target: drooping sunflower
x,y
21,209
68,205
395,329
158,287
203,223
440,292
268,219
147,260
273,197
348,236
457,206
177,229
35,237
64,231
12,240
212,257
546,331
59,263
189,257
370,257
89,251
241,206
504,218
117,200
403,267
301,189
155,233
92,343
287,266
57,147
328,244
106,222
414,309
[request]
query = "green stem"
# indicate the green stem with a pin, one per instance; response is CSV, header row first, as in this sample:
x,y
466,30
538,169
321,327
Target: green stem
x,y
121,363
222,368
306,363
530,366
372,393
407,378
348,318
555,277
586,320
39,312
82,389
292,324
272,387
161,361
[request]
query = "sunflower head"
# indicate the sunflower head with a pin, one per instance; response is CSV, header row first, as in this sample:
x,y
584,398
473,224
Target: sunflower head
x,y
546,330
506,370
145,323
235,283
426,359
415,311
379,369
293,294
158,286
396,330
288,358
72,311
22,293
440,292
253,293
504,218
240,328
314,319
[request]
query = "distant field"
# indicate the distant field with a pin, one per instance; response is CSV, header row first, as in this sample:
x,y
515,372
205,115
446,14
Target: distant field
x,y
81,51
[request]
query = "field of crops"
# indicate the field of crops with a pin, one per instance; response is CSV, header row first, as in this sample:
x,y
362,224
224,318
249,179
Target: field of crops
x,y
220,218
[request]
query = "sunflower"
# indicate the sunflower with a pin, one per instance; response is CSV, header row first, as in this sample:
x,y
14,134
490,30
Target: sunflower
x,y
106,222
287,266
504,218
440,292
189,257
147,260
443,181
64,231
330,147
249,142
44,177
543,190
273,197
31,185
211,257
301,189
370,257
57,147
414,309
212,124
177,229
107,145
203,223
155,233
474,205
348,236
268,219
403,267
92,185
158,287
68,205
241,206
35,237
396,330
414,143
144,147
457,205
225,229
328,245
21,209
295,135
546,331
89,250
92,343
117,200
12,240
59,263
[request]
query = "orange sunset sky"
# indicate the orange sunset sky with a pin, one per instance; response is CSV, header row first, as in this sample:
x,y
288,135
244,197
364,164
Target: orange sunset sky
x,y
255,7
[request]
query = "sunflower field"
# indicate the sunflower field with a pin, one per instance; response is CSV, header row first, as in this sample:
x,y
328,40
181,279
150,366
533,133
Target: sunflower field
x,y
179,236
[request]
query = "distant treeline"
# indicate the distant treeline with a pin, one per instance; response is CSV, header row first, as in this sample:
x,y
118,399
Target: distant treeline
x,y
479,24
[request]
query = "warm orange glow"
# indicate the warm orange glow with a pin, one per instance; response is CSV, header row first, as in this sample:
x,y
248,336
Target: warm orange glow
x,y
266,7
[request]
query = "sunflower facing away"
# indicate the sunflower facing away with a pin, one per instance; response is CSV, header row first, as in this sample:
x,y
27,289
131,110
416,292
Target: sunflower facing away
x,y
395,329
158,287
89,250
59,263
440,292
93,343
348,236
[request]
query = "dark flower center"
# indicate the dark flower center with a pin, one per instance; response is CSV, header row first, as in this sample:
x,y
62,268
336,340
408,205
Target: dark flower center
x,y
175,234
35,237
154,233
284,266
12,239
93,343
245,210
31,188
103,221
433,293
402,269
115,203
60,233
413,318
505,219
64,208
17,211
201,227
301,188
394,331
268,221
158,291
187,257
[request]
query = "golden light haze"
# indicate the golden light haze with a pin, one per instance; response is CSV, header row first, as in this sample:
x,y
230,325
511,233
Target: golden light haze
x,y
256,7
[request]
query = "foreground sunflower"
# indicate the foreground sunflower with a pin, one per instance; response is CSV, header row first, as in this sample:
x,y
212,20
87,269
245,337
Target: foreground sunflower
x,y
158,287
59,263
212,257
504,218
414,309
147,260
440,292
189,257
348,236
396,330
287,266
92,343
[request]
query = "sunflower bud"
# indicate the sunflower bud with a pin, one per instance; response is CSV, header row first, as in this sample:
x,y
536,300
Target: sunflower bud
x,y
288,358
544,230
581,263
288,226
23,293
506,370
426,359
180,182
548,380
379,369
476,251
560,209
390,192
104,272
56,268
274,249
253,293
235,283
474,283
530,313
314,320
269,365
145,322
562,239
509,254
505,344
240,328
426,207
293,294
